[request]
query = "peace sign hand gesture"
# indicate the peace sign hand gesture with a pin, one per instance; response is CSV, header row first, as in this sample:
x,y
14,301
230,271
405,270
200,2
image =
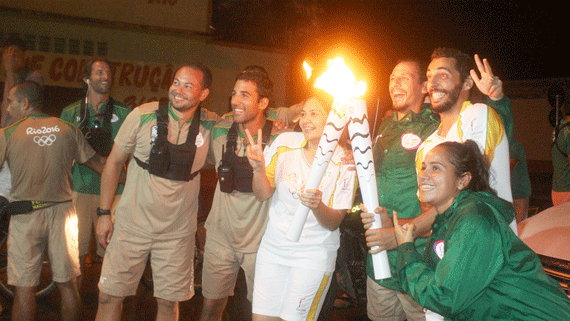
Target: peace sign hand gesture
x,y
489,84
254,151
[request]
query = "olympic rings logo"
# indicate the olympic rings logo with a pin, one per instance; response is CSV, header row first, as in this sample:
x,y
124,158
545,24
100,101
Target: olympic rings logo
x,y
45,140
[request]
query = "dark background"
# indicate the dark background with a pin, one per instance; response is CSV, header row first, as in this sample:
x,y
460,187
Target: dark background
x,y
521,40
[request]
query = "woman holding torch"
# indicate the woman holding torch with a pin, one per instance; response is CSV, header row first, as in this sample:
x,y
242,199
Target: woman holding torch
x,y
474,266
292,278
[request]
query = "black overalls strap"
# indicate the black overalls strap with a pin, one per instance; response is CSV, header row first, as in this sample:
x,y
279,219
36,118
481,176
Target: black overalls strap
x,y
99,138
169,160
243,172
232,136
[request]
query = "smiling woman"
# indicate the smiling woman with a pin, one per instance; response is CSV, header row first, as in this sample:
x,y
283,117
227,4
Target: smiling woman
x,y
292,277
474,266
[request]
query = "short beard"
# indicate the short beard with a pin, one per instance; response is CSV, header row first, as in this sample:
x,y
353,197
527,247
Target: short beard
x,y
401,107
453,98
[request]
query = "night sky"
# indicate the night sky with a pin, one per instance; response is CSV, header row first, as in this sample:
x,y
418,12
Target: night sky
x,y
521,40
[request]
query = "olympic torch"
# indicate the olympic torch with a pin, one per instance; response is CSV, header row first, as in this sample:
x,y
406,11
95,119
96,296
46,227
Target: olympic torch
x,y
334,81
340,82
359,132
331,134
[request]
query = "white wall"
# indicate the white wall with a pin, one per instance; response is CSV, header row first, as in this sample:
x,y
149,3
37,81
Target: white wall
x,y
160,48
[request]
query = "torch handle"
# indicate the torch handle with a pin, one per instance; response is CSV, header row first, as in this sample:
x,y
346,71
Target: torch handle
x,y
359,131
327,144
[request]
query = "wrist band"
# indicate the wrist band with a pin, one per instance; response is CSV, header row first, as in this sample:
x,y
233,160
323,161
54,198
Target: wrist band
x,y
103,212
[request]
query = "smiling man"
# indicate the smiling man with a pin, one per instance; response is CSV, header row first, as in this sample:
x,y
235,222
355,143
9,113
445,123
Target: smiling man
x,y
394,160
449,84
156,215
237,220
99,117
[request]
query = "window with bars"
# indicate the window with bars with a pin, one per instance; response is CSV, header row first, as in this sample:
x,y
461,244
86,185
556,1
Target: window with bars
x,y
45,44
30,41
88,49
74,47
101,48
58,45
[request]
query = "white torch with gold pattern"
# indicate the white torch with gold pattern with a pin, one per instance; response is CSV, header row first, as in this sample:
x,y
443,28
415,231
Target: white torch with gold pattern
x,y
339,81
329,140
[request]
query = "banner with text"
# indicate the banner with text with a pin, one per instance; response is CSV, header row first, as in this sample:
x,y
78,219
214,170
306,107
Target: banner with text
x,y
134,83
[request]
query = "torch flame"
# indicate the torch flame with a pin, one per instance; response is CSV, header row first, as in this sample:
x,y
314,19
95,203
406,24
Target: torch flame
x,y
339,81
308,69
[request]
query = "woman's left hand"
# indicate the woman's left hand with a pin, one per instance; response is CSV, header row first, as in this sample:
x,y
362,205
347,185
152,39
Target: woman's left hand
x,y
311,198
404,233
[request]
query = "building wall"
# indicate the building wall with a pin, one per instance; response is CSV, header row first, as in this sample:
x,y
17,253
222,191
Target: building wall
x,y
532,127
139,49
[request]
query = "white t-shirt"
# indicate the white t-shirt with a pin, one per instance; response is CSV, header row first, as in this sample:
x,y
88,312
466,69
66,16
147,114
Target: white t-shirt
x,y
483,125
288,170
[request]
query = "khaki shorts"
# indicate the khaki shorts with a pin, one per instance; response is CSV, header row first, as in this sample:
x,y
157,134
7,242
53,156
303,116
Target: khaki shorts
x,y
220,270
171,262
86,207
53,229
385,304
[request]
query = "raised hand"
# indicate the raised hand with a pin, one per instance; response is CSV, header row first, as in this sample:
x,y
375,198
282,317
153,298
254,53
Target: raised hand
x,y
489,84
8,57
254,151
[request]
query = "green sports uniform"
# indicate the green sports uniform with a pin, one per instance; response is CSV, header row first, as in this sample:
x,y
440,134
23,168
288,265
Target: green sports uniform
x,y
394,155
86,180
475,268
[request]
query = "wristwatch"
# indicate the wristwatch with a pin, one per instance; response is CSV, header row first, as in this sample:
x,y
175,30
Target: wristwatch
x,y
101,212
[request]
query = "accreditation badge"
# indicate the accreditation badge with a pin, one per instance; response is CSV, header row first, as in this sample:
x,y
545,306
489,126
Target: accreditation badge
x,y
439,249
199,140
153,133
410,141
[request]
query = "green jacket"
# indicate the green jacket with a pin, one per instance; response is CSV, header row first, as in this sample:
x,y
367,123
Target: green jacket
x,y
475,268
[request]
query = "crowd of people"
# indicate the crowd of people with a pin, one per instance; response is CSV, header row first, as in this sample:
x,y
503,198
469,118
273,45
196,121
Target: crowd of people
x,y
448,171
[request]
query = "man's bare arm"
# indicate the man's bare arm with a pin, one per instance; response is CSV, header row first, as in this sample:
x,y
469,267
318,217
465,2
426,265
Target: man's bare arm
x,y
109,182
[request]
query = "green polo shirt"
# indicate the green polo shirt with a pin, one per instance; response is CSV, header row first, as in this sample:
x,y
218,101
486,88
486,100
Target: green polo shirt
x,y
86,180
394,154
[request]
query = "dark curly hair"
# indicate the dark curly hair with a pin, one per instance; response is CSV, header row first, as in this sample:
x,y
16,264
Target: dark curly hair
x,y
463,62
88,69
260,77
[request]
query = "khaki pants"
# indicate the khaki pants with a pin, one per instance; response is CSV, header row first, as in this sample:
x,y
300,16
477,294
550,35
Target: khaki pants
x,y
385,304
